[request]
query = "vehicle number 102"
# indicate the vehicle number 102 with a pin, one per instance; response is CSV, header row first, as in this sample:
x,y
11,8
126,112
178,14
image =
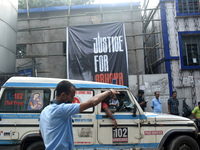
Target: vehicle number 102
x,y
120,132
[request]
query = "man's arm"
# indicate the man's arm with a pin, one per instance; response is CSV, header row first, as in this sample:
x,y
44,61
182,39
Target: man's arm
x,y
169,109
97,99
169,105
194,116
40,133
152,104
109,113
143,102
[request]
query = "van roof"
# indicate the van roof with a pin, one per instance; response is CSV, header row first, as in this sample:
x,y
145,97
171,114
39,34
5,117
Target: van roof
x,y
52,82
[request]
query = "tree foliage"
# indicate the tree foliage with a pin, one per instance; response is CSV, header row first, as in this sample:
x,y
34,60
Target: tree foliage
x,y
51,3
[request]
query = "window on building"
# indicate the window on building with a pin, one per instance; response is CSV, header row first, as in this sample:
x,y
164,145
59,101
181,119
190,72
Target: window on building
x,y
190,50
188,6
21,50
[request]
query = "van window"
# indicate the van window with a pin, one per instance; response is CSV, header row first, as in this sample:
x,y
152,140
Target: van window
x,y
120,103
24,100
125,104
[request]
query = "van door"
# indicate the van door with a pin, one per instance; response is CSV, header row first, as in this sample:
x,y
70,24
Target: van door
x,y
20,109
127,131
8,118
84,123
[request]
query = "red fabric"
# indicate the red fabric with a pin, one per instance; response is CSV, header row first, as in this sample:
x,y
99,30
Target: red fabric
x,y
104,105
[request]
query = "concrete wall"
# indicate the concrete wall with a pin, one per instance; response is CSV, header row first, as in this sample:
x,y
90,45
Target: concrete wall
x,y
151,84
48,32
8,32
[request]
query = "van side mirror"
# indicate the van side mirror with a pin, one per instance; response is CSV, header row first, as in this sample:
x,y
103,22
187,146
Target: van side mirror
x,y
134,110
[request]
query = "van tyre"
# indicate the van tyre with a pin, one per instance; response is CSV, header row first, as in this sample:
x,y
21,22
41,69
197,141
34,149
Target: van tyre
x,y
37,146
183,143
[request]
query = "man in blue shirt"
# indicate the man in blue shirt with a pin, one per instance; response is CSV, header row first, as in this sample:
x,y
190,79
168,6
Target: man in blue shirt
x,y
156,104
56,121
173,104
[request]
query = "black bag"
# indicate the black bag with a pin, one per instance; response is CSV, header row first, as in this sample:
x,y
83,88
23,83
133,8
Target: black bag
x,y
186,109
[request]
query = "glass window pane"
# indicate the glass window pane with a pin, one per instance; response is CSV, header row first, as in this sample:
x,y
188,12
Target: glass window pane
x,y
190,49
23,100
188,6
125,104
21,51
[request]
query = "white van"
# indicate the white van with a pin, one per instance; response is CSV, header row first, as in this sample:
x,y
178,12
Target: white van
x,y
23,98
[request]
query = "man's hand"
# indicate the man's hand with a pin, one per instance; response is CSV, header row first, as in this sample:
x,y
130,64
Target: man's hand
x,y
97,99
115,123
142,103
169,109
113,92
40,133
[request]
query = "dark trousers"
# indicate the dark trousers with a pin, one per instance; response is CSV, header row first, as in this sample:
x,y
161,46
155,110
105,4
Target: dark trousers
x,y
198,123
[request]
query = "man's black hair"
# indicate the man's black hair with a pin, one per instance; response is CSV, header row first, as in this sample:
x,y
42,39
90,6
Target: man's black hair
x,y
174,92
63,86
198,103
155,92
140,92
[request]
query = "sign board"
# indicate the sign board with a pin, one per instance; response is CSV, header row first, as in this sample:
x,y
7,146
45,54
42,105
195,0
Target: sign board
x,y
97,53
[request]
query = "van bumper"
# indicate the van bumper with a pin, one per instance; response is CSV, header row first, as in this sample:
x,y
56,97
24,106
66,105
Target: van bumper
x,y
8,147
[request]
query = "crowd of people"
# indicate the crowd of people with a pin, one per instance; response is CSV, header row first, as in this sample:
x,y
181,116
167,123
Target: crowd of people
x,y
156,103
173,104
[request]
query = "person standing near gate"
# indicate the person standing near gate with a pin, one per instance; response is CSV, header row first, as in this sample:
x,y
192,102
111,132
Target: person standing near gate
x,y
156,104
196,114
140,99
173,104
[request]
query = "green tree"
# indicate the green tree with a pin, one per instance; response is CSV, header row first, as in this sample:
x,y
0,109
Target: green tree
x,y
51,3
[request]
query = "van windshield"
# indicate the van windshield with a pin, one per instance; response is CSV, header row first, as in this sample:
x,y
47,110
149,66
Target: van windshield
x,y
23,100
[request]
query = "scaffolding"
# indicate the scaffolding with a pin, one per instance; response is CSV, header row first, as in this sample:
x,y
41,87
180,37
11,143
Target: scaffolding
x,y
144,34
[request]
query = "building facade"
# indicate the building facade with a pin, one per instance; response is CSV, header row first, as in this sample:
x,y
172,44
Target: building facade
x,y
8,34
174,28
8,40
41,37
